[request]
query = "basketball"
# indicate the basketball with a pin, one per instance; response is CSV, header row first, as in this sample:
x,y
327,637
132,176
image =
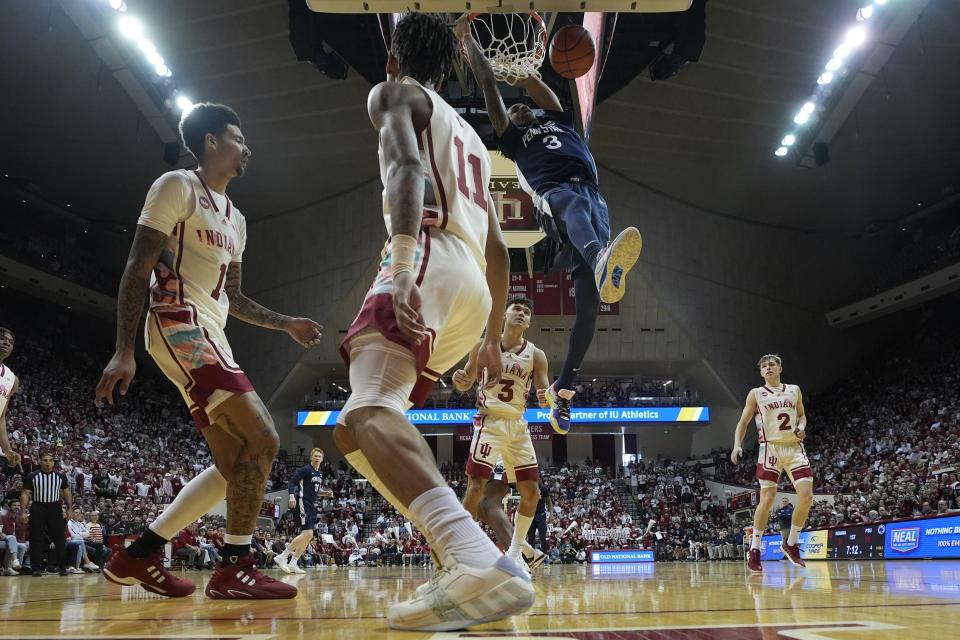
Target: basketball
x,y
572,51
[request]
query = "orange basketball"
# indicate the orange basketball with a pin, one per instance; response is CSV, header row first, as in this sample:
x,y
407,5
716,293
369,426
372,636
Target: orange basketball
x,y
572,51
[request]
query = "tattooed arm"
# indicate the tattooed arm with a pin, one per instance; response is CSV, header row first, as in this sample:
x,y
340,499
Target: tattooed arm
x,y
144,253
304,331
483,72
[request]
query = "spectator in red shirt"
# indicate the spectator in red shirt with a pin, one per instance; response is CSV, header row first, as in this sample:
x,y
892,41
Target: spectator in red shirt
x,y
186,547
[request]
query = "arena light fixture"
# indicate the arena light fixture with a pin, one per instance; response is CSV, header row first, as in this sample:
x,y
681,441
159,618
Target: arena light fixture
x,y
162,70
833,64
808,107
801,118
788,140
782,151
856,36
130,27
825,78
879,3
184,103
842,51
865,13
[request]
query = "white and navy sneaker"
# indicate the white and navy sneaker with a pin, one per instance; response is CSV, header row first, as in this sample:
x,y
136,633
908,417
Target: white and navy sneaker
x,y
461,596
614,264
537,560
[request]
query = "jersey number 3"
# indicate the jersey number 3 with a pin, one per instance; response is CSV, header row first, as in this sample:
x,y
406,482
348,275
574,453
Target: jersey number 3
x,y
552,142
479,189
506,393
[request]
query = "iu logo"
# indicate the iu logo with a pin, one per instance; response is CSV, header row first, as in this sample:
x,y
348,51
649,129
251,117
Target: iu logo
x,y
772,460
204,202
485,449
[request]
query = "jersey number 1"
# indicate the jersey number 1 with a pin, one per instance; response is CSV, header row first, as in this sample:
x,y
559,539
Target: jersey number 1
x,y
479,189
219,288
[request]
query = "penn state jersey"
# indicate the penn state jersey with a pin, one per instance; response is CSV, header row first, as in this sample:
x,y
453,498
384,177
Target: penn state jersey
x,y
7,382
206,232
456,175
776,416
307,482
548,152
508,399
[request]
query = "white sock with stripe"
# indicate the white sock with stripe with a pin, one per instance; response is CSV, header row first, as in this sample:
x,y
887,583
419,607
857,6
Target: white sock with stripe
x,y
457,535
521,524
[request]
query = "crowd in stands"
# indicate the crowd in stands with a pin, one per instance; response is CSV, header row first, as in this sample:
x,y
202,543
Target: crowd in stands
x,y
620,392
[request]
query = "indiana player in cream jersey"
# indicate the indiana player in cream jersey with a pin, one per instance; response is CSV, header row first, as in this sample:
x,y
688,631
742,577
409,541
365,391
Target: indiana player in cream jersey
x,y
8,387
499,430
777,410
187,254
442,279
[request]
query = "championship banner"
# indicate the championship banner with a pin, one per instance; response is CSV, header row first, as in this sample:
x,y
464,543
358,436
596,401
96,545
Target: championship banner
x,y
621,555
932,538
622,415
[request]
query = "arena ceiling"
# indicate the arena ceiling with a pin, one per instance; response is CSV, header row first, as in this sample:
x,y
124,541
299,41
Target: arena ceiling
x,y
705,137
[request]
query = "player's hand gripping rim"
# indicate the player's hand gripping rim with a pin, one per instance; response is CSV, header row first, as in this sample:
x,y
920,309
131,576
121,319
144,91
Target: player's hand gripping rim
x,y
121,369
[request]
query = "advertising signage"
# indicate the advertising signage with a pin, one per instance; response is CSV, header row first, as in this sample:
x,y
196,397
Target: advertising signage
x,y
621,555
588,415
930,538
854,542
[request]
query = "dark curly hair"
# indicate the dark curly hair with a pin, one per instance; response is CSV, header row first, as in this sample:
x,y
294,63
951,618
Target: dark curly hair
x,y
424,45
205,118
523,301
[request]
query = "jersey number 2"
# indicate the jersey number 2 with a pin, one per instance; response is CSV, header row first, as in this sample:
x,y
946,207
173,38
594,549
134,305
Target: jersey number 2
x,y
784,419
479,189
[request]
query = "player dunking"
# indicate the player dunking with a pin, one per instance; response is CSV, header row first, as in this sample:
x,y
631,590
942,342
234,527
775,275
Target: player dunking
x,y
499,430
556,167
443,278
8,388
187,253
304,488
777,409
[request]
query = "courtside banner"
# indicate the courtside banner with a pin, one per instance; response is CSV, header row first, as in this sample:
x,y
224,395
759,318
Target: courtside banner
x,y
621,555
623,415
813,545
929,538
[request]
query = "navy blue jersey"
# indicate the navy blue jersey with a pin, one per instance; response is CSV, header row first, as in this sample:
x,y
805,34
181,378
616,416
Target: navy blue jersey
x,y
548,151
307,483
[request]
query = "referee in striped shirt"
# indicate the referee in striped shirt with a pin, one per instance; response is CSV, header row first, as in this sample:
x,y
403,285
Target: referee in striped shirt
x,y
49,491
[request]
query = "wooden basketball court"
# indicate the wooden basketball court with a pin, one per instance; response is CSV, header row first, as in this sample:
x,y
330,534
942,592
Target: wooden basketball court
x,y
837,600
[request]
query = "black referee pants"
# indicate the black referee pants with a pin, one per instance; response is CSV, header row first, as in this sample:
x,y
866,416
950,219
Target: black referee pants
x,y
538,526
47,523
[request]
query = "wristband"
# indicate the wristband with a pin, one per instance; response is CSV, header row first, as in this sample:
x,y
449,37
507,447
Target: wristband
x,y
403,252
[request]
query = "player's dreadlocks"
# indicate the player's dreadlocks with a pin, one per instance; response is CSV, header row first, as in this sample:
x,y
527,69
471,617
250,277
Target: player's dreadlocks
x,y
424,46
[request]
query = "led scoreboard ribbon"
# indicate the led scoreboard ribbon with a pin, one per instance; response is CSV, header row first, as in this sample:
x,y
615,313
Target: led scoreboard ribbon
x,y
623,415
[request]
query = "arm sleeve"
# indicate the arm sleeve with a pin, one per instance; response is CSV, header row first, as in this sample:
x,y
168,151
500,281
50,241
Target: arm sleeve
x,y
167,203
510,141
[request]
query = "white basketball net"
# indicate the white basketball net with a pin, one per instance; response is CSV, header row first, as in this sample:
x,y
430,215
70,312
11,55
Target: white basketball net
x,y
514,43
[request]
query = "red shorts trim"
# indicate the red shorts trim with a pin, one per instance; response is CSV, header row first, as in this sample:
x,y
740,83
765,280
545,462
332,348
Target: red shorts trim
x,y
477,469
767,474
527,473
802,472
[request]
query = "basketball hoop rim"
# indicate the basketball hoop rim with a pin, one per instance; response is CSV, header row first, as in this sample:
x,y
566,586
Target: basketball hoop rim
x,y
537,18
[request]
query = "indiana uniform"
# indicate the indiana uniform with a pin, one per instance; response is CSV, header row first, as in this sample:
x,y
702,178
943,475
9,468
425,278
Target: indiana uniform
x,y
7,382
450,261
780,450
499,430
188,306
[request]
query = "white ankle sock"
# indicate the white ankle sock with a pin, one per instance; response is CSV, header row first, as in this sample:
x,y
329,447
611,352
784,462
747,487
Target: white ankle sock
x,y
755,540
457,535
231,538
358,461
195,500
521,524
794,534
526,549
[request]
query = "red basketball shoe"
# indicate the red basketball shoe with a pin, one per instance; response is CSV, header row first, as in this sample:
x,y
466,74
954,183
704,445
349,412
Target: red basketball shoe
x,y
753,561
792,552
122,568
242,581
